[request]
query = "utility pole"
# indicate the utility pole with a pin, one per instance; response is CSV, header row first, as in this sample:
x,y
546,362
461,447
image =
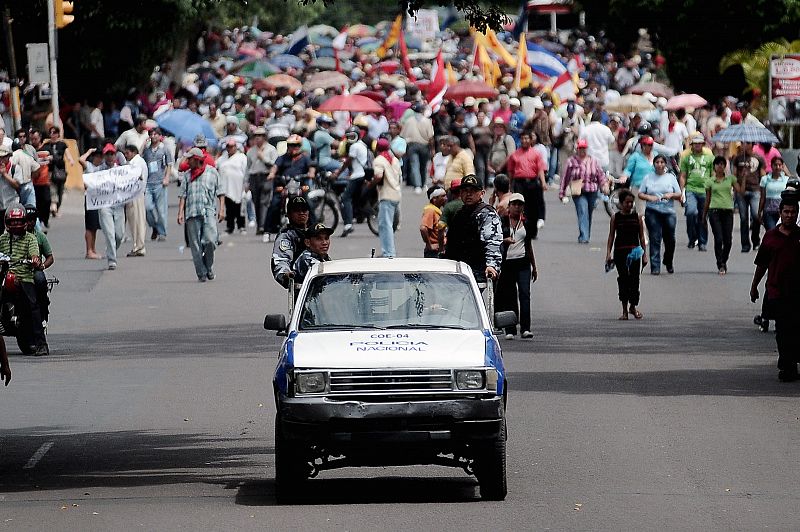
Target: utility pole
x,y
52,39
16,115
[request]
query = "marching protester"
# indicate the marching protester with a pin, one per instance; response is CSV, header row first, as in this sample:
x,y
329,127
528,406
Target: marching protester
x,y
527,170
584,177
718,210
748,169
626,250
696,169
660,190
771,186
135,209
232,168
112,218
159,161
429,225
518,268
388,180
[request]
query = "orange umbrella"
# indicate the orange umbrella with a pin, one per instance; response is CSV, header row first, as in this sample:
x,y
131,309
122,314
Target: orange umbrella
x,y
350,102
283,81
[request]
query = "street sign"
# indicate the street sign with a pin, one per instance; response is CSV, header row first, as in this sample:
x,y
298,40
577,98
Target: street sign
x,y
784,89
425,24
38,65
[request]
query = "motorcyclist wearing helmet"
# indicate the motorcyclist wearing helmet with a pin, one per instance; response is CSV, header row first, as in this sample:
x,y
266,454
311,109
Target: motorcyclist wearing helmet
x,y
355,164
290,241
46,253
292,163
323,144
21,245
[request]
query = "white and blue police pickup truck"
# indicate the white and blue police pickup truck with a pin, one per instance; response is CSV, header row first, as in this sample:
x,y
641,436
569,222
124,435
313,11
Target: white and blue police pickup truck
x,y
389,362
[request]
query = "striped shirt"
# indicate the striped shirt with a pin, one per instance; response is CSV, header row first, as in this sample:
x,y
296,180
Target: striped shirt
x,y
587,170
20,248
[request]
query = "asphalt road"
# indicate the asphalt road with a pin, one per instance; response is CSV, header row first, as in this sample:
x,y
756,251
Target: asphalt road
x,y
154,410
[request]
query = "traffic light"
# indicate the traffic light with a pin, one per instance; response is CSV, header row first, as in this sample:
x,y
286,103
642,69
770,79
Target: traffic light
x,y
63,11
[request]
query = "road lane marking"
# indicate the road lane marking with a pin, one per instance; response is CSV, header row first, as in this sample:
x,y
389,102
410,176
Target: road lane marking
x,y
38,455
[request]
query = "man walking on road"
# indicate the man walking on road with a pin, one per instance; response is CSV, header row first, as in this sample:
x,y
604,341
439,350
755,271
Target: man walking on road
x,y
779,258
201,207
696,170
418,132
260,159
159,169
527,169
134,209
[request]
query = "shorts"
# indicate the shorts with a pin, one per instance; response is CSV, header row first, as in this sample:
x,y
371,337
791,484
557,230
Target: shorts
x,y
91,219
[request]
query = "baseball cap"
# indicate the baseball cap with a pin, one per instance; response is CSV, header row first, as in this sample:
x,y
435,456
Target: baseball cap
x,y
471,181
469,101
195,153
646,139
698,138
582,143
109,148
516,196
200,141
498,121
319,229
297,203
455,184
4,151
260,131
514,102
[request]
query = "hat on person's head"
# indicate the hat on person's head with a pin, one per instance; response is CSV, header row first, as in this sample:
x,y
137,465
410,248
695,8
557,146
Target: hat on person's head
x,y
470,181
646,139
297,203
736,117
382,144
469,101
260,131
436,192
4,151
514,102
744,104
582,143
232,120
109,148
231,142
516,196
498,121
455,184
319,229
200,141
195,153
697,138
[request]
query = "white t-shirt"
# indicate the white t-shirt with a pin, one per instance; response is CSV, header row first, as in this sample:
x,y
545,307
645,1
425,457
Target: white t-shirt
x,y
232,173
358,158
599,137
96,119
516,250
439,166
674,139
389,189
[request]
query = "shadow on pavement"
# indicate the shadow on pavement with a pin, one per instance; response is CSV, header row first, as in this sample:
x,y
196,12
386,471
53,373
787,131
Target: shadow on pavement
x,y
123,459
743,381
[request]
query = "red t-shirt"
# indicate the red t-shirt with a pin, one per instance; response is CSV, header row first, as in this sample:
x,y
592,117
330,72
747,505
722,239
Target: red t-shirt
x,y
780,254
525,164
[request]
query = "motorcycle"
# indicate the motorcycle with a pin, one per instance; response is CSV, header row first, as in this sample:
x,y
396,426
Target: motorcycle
x,y
365,206
12,321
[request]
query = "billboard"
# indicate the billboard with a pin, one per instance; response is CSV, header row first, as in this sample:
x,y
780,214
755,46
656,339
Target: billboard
x,y
784,89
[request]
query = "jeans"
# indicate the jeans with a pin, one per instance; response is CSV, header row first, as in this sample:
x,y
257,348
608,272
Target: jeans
x,y
331,166
417,155
721,221
272,218
787,337
770,220
386,210
29,308
584,206
696,230
112,220
552,168
262,191
531,190
42,298
481,161
351,193
660,226
627,277
155,205
748,218
515,284
27,196
202,234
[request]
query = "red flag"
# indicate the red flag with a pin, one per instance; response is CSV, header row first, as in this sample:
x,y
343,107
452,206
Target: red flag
x,y
404,58
438,85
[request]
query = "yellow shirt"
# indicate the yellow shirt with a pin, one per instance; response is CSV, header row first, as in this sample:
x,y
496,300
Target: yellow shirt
x,y
458,167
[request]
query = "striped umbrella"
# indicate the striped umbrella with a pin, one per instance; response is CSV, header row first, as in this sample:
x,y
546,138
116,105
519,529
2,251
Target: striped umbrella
x,y
746,133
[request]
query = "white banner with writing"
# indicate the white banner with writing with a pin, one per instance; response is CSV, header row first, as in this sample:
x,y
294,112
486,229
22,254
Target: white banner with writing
x,y
114,187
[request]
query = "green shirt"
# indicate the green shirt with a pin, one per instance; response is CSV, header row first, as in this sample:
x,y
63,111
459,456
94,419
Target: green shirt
x,y
45,249
20,248
449,210
698,168
721,197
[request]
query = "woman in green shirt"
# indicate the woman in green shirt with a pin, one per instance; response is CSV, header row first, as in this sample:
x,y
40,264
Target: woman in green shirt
x,y
719,211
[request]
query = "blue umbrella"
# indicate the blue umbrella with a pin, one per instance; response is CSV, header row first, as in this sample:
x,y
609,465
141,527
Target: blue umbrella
x,y
285,61
186,125
366,40
325,52
321,40
745,133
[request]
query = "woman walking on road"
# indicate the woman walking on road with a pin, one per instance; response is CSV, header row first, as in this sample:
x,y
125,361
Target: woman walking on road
x,y
625,235
719,212
584,170
772,184
660,189
518,267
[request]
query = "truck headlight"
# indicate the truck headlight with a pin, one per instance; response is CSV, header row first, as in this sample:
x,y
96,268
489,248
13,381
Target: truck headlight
x,y
310,382
470,379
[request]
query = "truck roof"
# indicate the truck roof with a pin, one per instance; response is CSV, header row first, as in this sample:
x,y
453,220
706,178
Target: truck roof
x,y
389,265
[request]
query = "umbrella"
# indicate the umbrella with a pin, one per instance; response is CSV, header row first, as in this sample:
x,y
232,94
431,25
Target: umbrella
x,y
323,29
329,63
283,81
683,101
186,125
325,80
373,95
746,133
476,89
285,61
653,87
258,69
630,103
367,40
251,52
320,40
390,67
398,107
326,51
360,30
350,102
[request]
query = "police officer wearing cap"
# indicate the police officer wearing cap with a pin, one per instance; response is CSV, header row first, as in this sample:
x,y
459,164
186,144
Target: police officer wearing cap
x,y
290,241
474,234
317,242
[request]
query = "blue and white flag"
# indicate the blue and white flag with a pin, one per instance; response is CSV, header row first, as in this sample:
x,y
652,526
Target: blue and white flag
x,y
299,41
522,21
544,61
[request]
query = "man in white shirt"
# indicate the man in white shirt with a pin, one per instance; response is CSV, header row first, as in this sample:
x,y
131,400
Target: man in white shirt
x,y
675,134
96,123
138,136
232,168
599,137
134,209
357,158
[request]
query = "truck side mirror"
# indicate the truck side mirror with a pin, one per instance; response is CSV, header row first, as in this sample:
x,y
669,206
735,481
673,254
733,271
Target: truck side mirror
x,y
275,322
505,318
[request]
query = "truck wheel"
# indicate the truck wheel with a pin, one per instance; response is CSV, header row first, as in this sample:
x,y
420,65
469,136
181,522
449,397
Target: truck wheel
x,y
490,468
290,469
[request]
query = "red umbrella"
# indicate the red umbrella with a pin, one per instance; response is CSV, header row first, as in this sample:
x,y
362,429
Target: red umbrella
x,y
373,95
350,102
653,87
389,67
476,89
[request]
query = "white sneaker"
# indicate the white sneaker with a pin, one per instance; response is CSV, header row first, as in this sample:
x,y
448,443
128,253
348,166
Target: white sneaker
x,y
527,334
539,223
418,190
509,336
242,231
265,238
251,223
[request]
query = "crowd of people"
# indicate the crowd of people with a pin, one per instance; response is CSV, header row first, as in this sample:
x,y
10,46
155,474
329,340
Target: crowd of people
x,y
518,143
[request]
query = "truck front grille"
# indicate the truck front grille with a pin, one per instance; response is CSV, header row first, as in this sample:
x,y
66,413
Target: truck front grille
x,y
391,381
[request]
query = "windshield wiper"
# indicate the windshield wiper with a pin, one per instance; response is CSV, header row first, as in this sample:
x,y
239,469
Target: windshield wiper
x,y
338,327
424,326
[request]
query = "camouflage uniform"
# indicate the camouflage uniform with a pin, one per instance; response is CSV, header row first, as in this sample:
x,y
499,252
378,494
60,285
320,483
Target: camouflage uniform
x,y
474,235
304,262
287,248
